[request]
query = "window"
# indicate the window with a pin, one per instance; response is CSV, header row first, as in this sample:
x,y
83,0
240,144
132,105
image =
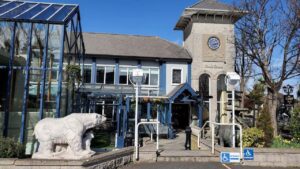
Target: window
x,y
151,76
154,76
176,76
87,73
123,76
100,74
105,74
109,75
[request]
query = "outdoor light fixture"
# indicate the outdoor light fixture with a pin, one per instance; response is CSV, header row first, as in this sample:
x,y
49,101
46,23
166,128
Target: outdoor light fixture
x,y
232,79
288,89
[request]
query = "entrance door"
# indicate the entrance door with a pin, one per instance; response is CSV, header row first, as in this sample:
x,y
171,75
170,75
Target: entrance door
x,y
180,116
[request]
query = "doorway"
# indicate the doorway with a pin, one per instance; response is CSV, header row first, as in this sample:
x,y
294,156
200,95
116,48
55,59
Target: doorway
x,y
180,116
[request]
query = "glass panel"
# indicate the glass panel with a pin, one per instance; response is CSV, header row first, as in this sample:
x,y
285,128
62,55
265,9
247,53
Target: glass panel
x,y
53,57
9,6
3,78
123,76
109,75
32,12
87,73
176,76
146,75
38,44
18,10
100,74
153,76
18,79
47,13
63,13
35,77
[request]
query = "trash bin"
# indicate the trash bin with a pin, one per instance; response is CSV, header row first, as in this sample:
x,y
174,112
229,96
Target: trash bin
x,y
188,134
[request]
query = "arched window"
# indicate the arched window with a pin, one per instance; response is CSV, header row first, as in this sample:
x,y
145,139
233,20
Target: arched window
x,y
221,93
204,90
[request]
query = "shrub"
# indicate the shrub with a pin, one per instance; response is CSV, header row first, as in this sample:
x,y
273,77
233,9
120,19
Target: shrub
x,y
279,142
264,123
9,148
295,125
253,137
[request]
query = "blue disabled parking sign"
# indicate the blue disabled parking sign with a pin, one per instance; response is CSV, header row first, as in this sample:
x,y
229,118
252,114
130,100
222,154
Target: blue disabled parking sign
x,y
225,157
230,157
248,154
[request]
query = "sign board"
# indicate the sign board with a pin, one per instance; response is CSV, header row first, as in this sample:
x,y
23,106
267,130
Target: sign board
x,y
137,72
230,157
248,154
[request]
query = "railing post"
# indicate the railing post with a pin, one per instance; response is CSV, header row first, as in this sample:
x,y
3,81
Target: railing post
x,y
212,138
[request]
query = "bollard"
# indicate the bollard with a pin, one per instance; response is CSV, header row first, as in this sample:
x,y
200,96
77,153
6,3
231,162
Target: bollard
x,y
188,134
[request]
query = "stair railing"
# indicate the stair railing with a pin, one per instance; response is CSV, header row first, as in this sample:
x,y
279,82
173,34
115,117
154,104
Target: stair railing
x,y
201,134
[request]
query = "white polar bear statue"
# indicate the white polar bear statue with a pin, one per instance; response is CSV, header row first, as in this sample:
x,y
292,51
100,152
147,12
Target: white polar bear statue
x,y
62,138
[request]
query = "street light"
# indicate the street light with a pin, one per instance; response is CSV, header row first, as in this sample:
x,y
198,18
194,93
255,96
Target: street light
x,y
288,89
232,79
137,78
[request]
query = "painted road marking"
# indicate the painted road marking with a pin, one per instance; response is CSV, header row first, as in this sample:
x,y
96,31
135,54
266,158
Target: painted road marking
x,y
226,166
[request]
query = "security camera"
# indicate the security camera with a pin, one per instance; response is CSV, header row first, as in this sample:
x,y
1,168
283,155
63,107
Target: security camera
x,y
232,78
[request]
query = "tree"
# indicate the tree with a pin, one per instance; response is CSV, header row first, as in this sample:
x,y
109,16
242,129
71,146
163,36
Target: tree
x,y
271,33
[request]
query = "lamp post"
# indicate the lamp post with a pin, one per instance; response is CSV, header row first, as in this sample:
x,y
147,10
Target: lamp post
x,y
288,89
137,78
232,79
288,98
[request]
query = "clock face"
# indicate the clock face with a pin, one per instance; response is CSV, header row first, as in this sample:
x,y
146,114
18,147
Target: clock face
x,y
213,43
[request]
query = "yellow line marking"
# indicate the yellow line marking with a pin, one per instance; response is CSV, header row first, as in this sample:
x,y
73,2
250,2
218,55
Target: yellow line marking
x,y
226,166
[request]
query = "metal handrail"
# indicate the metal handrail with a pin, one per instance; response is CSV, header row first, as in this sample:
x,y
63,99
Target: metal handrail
x,y
213,135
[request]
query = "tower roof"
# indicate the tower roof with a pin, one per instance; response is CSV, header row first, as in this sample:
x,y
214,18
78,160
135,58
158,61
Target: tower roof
x,y
212,5
208,7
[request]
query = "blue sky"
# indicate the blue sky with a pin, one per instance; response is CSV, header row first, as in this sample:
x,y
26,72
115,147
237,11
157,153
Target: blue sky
x,y
136,17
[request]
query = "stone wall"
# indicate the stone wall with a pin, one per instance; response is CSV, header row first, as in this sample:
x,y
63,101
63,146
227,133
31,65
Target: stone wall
x,y
111,160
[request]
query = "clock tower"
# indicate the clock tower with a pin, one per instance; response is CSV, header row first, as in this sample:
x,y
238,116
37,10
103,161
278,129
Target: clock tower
x,y
208,35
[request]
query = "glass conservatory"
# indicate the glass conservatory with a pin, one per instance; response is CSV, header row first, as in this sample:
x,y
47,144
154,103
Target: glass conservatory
x,y
37,42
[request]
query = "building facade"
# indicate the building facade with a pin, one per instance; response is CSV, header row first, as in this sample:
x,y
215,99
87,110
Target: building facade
x,y
183,85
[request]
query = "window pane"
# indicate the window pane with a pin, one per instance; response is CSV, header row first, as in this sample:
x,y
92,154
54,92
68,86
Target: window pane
x,y
87,74
109,75
176,76
123,76
146,75
154,77
38,44
100,74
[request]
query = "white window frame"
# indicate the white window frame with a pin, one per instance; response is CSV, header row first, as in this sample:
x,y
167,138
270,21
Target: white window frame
x,y
127,70
181,75
151,67
105,67
91,68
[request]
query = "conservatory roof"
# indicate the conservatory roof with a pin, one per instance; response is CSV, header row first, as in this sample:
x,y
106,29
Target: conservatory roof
x,y
26,11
